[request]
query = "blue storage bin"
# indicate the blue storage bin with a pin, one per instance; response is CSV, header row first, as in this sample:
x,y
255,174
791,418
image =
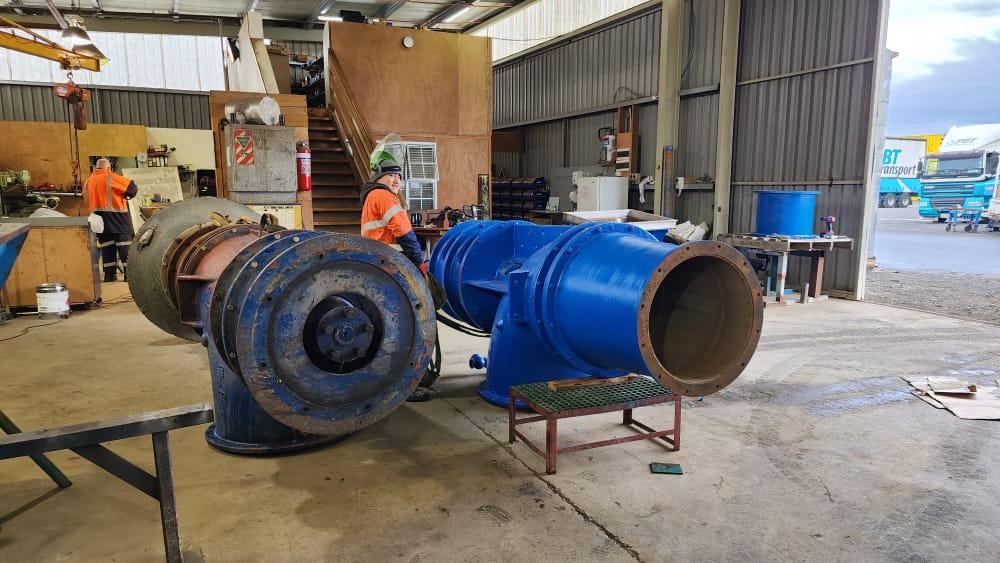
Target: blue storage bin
x,y
791,214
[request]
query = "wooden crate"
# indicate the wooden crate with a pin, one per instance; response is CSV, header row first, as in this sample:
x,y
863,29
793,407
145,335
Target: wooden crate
x,y
58,249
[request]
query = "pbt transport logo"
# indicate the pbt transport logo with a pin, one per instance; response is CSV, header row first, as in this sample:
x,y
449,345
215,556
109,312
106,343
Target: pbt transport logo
x,y
960,142
890,158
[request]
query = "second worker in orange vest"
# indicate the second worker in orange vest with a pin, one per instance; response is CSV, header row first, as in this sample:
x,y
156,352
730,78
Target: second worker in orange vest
x,y
382,215
106,193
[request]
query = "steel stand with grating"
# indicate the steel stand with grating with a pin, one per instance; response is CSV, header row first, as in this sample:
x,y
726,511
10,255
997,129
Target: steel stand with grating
x,y
567,403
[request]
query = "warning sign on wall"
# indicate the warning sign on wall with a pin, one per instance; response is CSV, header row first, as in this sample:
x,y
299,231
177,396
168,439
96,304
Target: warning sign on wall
x,y
243,143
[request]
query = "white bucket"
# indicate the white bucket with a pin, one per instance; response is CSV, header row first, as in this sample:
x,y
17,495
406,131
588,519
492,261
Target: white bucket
x,y
52,300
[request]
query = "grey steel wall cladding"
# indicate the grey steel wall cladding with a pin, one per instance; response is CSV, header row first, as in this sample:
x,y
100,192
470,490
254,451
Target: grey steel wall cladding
x,y
543,148
574,142
152,108
591,71
803,101
507,165
30,103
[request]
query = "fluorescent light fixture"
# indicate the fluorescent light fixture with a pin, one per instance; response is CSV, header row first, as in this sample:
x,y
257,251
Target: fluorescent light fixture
x,y
325,18
456,15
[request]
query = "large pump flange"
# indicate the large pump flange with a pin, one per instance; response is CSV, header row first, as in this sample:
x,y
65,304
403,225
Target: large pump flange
x,y
310,336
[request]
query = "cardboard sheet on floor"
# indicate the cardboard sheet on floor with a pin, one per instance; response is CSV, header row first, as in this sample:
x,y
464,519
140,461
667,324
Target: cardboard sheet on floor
x,y
982,404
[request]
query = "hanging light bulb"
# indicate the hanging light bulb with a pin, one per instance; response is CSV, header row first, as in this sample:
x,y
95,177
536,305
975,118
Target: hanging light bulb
x,y
74,33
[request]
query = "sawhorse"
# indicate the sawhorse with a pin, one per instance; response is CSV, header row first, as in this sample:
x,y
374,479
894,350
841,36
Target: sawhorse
x,y
86,439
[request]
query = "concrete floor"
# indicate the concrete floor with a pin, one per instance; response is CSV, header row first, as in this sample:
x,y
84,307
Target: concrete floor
x,y
816,453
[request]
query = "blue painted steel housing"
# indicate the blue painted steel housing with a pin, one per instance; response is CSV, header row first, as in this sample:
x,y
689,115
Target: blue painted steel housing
x,y
12,237
311,336
600,299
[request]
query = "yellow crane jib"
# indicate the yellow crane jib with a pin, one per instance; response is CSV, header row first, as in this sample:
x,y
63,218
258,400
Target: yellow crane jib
x,y
39,46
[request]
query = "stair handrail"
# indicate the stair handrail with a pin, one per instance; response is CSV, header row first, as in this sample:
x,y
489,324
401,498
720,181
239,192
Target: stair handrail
x,y
351,123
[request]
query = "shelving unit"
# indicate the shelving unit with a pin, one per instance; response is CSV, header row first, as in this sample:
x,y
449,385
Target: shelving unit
x,y
518,198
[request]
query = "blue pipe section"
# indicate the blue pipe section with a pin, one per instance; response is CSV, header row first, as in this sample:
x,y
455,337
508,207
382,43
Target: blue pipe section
x,y
563,302
10,248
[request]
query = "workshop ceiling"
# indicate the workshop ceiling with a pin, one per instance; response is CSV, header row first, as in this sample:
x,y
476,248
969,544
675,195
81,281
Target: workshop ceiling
x,y
305,14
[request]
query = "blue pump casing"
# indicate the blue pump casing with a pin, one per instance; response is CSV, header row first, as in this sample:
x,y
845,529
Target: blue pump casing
x,y
600,299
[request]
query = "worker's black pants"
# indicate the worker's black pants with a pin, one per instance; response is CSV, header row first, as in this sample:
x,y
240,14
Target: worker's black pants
x,y
114,253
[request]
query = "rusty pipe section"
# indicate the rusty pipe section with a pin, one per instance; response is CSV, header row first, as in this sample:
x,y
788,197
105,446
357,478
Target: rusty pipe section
x,y
310,335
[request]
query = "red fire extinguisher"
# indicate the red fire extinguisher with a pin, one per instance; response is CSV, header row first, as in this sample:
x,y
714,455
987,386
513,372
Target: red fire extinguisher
x,y
303,161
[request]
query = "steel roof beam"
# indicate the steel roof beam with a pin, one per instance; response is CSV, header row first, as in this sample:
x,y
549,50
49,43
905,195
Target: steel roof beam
x,y
321,8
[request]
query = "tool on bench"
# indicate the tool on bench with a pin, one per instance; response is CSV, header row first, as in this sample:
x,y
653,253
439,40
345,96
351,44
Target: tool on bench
x,y
829,220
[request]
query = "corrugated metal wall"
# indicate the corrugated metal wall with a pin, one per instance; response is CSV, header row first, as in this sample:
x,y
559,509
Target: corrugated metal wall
x,y
152,108
559,98
593,71
698,123
803,102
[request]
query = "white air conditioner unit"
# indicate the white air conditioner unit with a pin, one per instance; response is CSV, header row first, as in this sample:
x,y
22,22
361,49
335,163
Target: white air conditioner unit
x,y
420,174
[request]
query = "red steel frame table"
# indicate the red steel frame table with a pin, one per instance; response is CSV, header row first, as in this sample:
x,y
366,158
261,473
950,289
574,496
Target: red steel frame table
x,y
551,405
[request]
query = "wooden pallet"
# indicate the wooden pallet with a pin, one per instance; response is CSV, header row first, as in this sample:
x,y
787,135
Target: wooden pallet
x,y
786,244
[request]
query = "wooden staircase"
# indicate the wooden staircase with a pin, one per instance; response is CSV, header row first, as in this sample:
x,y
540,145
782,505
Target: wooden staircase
x,y
336,188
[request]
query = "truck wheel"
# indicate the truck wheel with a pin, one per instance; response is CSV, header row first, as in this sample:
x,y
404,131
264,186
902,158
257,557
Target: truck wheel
x,y
904,201
881,200
890,200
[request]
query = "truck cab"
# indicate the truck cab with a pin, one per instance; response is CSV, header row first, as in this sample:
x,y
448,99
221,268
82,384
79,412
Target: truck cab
x,y
951,180
963,173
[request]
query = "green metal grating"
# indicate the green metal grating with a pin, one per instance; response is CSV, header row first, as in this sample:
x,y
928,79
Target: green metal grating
x,y
589,397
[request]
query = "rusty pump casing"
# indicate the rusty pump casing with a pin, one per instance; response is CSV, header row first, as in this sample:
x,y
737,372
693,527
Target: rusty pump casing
x,y
599,299
310,335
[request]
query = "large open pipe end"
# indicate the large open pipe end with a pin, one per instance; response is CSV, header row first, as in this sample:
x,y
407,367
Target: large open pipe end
x,y
700,318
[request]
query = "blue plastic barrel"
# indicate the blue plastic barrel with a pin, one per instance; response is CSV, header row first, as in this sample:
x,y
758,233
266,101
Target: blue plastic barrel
x,y
790,214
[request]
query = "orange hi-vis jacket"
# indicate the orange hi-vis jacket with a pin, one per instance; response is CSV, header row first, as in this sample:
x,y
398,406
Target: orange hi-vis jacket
x,y
383,218
106,191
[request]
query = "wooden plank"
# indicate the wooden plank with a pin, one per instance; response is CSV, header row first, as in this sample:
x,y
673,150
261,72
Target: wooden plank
x,y
583,382
775,244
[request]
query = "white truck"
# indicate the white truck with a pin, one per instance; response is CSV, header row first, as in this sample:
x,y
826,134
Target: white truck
x,y
963,174
900,169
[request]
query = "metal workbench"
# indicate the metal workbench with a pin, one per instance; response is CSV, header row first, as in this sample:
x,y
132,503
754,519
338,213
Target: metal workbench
x,y
779,248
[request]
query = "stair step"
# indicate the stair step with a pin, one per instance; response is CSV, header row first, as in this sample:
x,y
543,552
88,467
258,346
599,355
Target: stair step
x,y
355,209
335,195
337,223
321,128
335,184
327,149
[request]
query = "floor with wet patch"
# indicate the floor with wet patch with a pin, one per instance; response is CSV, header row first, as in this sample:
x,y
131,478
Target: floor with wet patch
x,y
816,452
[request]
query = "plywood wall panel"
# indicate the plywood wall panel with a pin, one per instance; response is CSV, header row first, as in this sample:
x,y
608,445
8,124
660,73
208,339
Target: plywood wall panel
x,y
42,148
439,90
